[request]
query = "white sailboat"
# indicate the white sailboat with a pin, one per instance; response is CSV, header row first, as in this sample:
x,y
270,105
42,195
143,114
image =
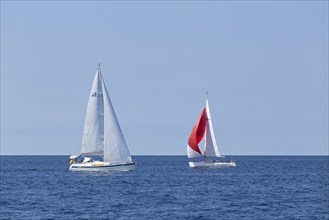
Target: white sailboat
x,y
102,135
204,127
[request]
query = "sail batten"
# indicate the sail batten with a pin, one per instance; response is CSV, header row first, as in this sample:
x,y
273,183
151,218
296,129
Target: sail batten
x,y
97,153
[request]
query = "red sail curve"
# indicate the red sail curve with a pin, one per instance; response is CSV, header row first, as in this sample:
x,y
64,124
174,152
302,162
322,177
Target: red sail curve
x,y
198,131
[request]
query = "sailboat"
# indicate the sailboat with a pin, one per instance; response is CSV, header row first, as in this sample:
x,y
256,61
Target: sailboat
x,y
204,127
102,135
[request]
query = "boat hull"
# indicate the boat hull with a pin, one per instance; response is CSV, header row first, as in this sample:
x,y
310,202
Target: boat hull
x,y
216,164
102,166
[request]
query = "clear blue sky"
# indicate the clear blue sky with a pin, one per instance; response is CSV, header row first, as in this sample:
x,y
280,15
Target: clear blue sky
x,y
264,63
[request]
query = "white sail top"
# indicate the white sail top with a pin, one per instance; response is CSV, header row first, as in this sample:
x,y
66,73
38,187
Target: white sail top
x,y
211,147
115,147
93,131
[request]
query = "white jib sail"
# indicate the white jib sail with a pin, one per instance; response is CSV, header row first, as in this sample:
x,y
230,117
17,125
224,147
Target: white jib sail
x,y
115,147
211,147
93,130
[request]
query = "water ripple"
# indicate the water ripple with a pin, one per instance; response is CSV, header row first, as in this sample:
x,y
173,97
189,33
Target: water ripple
x,y
165,188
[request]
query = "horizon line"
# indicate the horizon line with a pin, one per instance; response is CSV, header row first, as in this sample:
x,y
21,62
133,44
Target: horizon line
x,y
174,155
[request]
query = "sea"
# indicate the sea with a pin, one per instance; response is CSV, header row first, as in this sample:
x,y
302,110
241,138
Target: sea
x,y
164,187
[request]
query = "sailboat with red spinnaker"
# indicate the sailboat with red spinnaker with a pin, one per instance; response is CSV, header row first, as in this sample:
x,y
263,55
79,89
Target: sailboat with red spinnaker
x,y
203,128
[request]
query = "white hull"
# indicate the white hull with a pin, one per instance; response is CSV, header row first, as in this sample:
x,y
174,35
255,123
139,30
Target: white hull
x,y
216,164
102,166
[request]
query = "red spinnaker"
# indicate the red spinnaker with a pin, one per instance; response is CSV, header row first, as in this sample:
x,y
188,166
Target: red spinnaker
x,y
198,131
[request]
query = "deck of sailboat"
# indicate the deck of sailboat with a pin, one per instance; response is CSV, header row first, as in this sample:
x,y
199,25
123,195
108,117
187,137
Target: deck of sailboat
x,y
102,166
216,164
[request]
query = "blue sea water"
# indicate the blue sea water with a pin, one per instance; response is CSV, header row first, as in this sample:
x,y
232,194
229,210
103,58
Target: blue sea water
x,y
163,187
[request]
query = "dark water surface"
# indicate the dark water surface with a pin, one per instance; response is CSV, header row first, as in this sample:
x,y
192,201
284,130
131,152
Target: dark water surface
x,y
163,187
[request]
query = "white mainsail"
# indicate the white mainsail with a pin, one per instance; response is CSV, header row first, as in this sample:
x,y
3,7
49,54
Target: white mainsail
x,y
102,134
211,147
93,130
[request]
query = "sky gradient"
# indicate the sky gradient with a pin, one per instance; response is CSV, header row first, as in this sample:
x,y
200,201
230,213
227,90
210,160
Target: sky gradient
x,y
264,63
